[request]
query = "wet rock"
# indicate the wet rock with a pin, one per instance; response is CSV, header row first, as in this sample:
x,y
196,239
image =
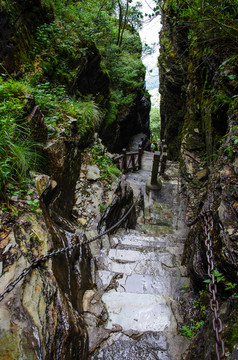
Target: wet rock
x,y
96,336
82,221
122,201
202,174
37,125
63,166
92,303
153,340
106,244
95,246
148,348
90,320
234,355
93,172
37,319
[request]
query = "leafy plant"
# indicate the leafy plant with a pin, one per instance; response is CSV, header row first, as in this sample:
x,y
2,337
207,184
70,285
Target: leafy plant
x,y
34,204
192,329
108,170
227,284
17,150
232,149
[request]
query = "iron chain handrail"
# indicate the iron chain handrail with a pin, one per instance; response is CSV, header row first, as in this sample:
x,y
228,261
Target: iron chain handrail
x,y
11,285
214,305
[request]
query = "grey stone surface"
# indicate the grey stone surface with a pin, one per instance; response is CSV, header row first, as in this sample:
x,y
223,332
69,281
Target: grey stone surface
x,y
141,275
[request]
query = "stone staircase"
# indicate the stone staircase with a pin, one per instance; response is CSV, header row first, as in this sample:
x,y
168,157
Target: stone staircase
x,y
141,277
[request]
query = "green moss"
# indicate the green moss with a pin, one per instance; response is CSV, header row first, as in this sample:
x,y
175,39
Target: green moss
x,y
231,335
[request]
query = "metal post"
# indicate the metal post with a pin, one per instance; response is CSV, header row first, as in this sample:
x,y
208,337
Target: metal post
x,y
139,156
162,145
142,144
155,168
124,161
163,163
133,161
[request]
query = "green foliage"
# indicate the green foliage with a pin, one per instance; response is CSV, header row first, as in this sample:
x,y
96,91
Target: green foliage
x,y
194,324
232,149
209,20
33,204
192,329
63,113
229,286
108,170
127,77
60,48
155,124
17,151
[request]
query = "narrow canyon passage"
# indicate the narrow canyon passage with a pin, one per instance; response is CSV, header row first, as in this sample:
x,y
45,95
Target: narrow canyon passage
x,y
140,277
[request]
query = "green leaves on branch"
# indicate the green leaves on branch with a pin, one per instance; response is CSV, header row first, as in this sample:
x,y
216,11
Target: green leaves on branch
x,y
213,19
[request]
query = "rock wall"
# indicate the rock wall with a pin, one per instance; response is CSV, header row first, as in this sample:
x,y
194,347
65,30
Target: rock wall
x,y
172,82
41,315
18,24
127,124
199,120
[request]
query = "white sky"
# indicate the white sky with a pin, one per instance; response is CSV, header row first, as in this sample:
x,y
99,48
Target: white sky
x,y
150,34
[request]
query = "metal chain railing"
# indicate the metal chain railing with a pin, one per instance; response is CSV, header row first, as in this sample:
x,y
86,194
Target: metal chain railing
x,y
217,323
207,217
11,285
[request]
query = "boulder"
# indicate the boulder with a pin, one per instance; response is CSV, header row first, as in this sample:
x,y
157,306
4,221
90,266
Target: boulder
x,y
93,172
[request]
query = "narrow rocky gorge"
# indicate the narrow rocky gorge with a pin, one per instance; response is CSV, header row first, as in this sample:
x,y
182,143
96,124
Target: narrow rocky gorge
x,y
67,89
134,312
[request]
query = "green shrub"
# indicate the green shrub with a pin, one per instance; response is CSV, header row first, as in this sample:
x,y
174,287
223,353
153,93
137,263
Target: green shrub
x,y
108,170
17,151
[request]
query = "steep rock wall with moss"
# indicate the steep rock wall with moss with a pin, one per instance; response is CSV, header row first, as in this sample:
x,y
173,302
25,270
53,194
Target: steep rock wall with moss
x,y
199,120
33,40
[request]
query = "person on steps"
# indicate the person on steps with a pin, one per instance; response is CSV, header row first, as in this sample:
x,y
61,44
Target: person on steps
x,y
154,146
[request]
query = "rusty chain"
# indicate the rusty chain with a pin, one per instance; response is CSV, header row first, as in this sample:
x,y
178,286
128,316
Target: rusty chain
x,y
217,323
11,285
214,305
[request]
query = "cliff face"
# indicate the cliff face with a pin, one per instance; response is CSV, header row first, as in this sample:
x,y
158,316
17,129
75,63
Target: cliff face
x,y
41,316
172,80
79,70
18,24
199,115
134,121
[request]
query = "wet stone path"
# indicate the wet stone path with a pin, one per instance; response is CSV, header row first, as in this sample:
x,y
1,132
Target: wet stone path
x,y
139,279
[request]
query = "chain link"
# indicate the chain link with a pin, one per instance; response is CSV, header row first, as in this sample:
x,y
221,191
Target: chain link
x,y
214,305
37,261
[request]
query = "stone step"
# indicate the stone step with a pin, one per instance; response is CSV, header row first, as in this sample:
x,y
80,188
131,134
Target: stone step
x,y
135,238
144,284
137,262
138,312
162,247
150,346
